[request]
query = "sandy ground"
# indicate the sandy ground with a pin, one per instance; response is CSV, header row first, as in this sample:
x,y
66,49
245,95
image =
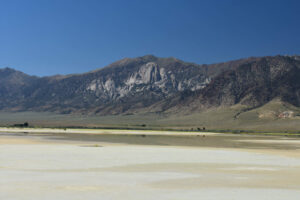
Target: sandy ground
x,y
40,167
100,131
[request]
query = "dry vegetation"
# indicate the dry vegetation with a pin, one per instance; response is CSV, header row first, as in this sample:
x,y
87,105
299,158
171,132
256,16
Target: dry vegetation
x,y
236,118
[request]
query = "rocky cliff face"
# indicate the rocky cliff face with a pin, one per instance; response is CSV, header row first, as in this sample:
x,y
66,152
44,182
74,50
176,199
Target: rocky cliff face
x,y
126,84
148,83
252,84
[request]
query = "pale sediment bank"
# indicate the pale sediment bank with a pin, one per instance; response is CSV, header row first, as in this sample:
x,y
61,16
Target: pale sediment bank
x,y
102,131
84,166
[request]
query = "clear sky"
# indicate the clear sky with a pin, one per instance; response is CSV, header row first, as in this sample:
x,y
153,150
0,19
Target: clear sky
x,y
46,37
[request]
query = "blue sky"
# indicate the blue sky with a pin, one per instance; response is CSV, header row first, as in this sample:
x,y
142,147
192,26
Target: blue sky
x,y
46,37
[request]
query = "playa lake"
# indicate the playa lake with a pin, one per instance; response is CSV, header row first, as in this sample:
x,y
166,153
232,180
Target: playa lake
x,y
148,166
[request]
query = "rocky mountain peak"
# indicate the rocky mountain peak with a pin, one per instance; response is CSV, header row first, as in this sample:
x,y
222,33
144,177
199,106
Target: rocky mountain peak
x,y
157,84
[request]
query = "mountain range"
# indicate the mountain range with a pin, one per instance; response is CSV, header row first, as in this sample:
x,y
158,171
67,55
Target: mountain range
x,y
150,84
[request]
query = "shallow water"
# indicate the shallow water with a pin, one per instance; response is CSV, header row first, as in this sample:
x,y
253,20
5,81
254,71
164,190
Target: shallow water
x,y
77,166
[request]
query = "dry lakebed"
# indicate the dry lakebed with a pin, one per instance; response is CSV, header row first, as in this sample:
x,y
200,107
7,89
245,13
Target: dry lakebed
x,y
123,164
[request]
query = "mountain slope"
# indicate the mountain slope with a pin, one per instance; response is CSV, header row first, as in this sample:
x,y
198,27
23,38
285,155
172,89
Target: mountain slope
x,y
12,86
252,84
128,83
152,84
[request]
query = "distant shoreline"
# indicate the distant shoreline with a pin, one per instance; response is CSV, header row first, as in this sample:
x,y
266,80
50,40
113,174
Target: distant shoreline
x,y
127,131
113,131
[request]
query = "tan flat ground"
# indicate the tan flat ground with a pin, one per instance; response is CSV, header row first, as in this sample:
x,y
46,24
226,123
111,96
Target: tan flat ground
x,y
215,167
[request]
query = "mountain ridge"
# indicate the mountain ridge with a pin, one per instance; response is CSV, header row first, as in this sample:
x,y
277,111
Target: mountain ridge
x,y
153,84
